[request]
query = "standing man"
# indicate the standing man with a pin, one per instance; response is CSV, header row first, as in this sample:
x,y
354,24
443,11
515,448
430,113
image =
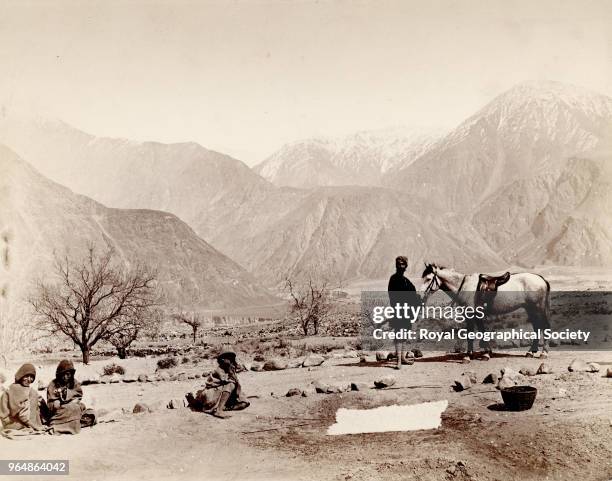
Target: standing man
x,y
401,291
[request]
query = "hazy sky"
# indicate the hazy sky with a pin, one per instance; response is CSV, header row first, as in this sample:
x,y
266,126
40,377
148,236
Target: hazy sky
x,y
244,77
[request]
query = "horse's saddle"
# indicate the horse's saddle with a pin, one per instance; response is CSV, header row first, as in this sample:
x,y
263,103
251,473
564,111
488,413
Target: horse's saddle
x,y
487,288
491,283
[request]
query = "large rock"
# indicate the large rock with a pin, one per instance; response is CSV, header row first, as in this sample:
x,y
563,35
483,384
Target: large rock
x,y
163,376
528,371
275,365
417,353
313,360
383,382
510,377
578,365
545,368
129,379
333,388
491,378
462,383
257,366
143,378
359,386
90,379
294,391
471,375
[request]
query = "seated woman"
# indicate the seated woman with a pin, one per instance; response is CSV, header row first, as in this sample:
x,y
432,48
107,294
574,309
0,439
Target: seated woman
x,y
66,411
20,404
222,391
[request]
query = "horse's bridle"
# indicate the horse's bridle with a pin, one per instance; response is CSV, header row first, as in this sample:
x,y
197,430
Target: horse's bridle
x,y
435,281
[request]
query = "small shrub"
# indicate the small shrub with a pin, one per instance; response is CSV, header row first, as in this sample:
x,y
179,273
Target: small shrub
x,y
167,363
113,368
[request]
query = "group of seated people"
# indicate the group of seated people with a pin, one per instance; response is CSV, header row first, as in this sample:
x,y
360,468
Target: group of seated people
x,y
24,411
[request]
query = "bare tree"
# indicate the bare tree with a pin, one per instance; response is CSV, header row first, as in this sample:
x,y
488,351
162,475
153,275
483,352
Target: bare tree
x,y
193,320
310,302
94,300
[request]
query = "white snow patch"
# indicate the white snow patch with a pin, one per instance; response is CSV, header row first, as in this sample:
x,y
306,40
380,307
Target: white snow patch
x,y
412,417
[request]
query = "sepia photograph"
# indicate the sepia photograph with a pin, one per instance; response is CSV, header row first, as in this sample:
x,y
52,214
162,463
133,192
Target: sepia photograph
x,y
303,240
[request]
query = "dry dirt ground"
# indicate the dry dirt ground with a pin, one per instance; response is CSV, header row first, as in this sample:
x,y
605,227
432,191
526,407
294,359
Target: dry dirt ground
x,y
566,435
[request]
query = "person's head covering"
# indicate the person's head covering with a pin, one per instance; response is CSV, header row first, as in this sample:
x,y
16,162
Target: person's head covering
x,y
401,259
64,366
26,369
231,355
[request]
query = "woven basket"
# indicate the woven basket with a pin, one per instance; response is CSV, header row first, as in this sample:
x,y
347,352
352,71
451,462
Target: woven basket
x,y
519,398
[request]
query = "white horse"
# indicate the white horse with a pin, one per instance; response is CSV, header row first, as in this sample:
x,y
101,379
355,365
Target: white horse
x,y
523,290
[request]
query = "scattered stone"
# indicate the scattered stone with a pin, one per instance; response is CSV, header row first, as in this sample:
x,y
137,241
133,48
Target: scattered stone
x,y
176,403
91,379
198,376
313,360
363,359
472,376
275,365
386,381
578,365
505,382
163,376
527,371
510,377
381,356
294,391
545,368
129,379
173,377
331,388
485,357
491,378
141,408
462,383
190,376
143,378
359,386
257,366
594,367
465,360
543,355
115,378
417,353
304,393
609,372
181,376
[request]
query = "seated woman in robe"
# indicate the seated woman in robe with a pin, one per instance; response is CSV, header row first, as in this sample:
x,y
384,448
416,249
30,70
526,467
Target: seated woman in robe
x,y
20,404
67,413
222,391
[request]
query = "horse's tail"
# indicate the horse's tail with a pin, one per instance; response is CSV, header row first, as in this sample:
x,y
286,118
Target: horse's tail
x,y
547,300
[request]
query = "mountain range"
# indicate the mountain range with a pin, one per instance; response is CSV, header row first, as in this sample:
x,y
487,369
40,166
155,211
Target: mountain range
x,y
358,159
523,181
42,220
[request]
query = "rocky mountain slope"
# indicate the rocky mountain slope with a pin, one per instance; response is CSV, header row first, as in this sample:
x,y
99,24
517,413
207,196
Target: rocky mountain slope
x,y
41,219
